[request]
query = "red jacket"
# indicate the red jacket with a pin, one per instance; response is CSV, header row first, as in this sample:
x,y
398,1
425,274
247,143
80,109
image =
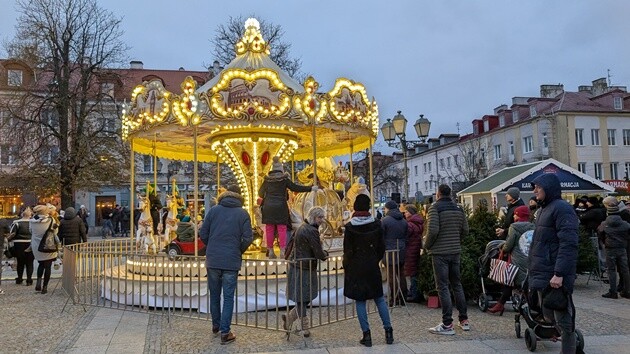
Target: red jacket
x,y
415,227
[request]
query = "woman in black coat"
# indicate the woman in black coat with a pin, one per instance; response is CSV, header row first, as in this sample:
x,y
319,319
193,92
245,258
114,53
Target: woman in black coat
x,y
363,248
274,208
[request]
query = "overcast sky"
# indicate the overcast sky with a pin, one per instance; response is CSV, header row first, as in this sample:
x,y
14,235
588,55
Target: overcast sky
x,y
452,61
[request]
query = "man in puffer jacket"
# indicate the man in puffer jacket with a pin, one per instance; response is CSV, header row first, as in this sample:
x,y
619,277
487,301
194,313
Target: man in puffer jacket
x,y
395,234
614,234
553,253
71,228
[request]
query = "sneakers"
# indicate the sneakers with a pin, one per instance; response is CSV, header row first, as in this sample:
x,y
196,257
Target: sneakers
x,y
464,325
610,295
227,338
625,295
443,330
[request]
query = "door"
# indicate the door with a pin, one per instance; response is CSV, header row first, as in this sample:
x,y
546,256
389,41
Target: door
x,y
103,203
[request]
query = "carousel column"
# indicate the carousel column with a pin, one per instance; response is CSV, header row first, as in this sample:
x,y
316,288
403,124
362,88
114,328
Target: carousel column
x,y
351,164
314,140
132,195
218,174
196,188
371,177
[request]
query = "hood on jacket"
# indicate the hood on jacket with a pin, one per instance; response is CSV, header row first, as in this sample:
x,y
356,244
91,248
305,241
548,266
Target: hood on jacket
x,y
70,213
361,220
550,183
614,220
416,219
395,213
275,176
230,200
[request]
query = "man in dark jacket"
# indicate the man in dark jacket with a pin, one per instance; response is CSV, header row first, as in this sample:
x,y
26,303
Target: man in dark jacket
x,y
71,228
227,232
553,253
446,227
513,197
614,234
594,214
395,234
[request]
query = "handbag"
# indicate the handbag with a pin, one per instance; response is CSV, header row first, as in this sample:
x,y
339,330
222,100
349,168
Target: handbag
x,y
556,299
48,244
503,272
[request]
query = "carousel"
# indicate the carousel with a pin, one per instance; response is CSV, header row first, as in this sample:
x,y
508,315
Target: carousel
x,y
249,113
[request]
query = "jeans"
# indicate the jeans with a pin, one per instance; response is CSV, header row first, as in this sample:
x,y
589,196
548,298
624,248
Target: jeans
x,y
564,322
219,279
382,311
24,260
447,272
617,261
413,288
108,227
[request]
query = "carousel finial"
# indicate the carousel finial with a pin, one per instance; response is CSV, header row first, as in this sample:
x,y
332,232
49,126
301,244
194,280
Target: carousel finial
x,y
252,22
252,40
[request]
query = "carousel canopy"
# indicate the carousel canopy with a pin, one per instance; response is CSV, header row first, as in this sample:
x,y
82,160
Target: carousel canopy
x,y
251,100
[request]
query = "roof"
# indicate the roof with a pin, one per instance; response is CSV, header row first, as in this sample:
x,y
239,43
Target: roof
x,y
523,174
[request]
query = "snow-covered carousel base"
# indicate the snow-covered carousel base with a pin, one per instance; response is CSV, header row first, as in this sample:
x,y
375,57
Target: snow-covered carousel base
x,y
182,284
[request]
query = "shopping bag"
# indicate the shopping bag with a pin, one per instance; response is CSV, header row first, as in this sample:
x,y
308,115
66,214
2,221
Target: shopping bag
x,y
503,272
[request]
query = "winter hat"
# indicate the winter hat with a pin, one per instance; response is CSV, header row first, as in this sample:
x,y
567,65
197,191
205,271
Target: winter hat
x,y
43,209
411,209
593,200
514,192
82,206
391,205
611,204
522,212
277,165
362,203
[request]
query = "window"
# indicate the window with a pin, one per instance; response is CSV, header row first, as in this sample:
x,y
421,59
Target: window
x,y
417,186
545,141
532,111
502,120
528,144
424,165
107,88
109,125
497,152
627,172
515,115
426,185
415,169
429,166
14,77
442,164
511,145
51,117
598,170
612,141
482,159
618,103
626,137
7,154
579,137
50,155
582,167
595,137
614,173
147,163
455,160
448,162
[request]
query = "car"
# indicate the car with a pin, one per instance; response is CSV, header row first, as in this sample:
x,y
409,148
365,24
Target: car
x,y
185,248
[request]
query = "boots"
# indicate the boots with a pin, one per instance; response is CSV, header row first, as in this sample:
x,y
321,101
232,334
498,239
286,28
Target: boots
x,y
271,254
367,339
305,326
498,307
389,335
38,285
18,281
44,289
287,323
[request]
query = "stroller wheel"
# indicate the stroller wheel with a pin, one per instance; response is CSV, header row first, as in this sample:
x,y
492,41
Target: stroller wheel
x,y
517,329
483,302
580,341
530,339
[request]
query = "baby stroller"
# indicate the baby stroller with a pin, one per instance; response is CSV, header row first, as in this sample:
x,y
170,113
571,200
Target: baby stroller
x,y
537,327
491,292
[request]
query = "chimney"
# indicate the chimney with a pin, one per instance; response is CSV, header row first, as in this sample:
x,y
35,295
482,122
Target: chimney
x,y
136,64
599,86
551,91
520,101
502,107
585,88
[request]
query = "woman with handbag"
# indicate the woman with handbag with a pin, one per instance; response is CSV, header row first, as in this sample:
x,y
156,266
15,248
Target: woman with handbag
x,y
20,234
513,248
43,225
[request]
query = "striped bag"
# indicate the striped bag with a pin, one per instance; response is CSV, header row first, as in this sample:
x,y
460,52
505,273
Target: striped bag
x,y
503,272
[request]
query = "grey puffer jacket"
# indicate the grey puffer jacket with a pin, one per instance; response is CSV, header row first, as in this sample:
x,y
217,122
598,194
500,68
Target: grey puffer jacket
x,y
614,232
395,232
446,226
71,228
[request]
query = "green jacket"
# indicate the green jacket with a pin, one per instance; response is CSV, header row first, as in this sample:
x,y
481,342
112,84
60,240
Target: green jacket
x,y
446,226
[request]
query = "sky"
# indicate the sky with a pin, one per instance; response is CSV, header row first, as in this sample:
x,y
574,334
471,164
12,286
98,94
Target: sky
x,y
451,60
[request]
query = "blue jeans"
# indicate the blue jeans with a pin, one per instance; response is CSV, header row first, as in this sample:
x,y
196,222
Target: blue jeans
x,y
381,305
108,227
447,272
219,279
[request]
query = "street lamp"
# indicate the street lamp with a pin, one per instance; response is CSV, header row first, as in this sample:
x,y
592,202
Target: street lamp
x,y
396,127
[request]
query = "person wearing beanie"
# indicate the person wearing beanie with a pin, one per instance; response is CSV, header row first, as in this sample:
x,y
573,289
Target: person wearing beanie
x,y
415,228
395,234
274,207
533,208
71,228
614,233
516,245
594,215
363,249
513,198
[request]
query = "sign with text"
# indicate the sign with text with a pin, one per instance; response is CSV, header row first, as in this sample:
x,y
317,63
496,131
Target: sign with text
x,y
568,180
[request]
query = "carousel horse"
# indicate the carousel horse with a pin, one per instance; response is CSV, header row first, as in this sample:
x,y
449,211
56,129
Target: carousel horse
x,y
170,227
144,238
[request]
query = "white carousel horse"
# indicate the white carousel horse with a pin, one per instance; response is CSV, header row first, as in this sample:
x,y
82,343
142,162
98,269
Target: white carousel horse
x,y
144,238
170,227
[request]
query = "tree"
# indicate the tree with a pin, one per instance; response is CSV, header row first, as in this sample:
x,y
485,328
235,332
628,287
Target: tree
x,y
67,117
386,175
472,163
227,35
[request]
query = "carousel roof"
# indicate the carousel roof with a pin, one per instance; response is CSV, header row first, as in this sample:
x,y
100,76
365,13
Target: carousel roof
x,y
254,97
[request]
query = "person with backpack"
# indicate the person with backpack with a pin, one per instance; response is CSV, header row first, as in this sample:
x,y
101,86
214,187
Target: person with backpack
x,y
43,221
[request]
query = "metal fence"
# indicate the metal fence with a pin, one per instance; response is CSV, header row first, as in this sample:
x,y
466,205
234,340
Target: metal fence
x,y
111,274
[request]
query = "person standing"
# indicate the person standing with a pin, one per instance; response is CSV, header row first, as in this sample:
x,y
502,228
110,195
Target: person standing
x,y
415,228
42,221
84,214
446,227
71,228
274,205
395,234
614,233
227,232
513,197
107,227
302,280
553,253
363,249
21,243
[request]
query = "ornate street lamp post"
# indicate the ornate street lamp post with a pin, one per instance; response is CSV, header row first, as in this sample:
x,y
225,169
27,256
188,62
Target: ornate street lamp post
x,y
396,128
